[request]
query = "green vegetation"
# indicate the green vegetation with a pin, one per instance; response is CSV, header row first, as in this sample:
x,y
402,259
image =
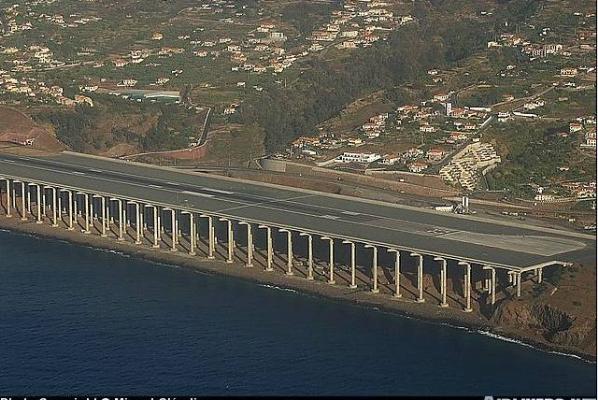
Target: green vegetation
x,y
533,154
325,88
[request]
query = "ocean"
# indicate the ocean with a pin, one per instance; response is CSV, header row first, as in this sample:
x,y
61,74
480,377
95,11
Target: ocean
x,y
80,320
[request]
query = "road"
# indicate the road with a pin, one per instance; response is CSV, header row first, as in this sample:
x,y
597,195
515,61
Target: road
x,y
467,238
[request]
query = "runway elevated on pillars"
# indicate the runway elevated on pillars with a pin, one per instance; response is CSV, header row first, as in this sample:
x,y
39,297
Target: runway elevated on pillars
x,y
412,232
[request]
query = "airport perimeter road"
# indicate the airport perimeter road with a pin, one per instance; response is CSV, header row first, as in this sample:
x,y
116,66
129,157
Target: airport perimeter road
x,y
457,237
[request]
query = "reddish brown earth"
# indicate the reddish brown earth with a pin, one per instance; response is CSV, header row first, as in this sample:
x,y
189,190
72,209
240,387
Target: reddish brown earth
x,y
19,129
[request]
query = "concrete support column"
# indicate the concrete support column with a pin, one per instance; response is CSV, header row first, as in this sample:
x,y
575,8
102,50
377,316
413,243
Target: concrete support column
x,y
156,229
138,224
59,209
142,222
420,277
104,217
310,255
374,267
353,284
330,260
29,197
8,199
159,222
467,286
211,236
397,294
268,247
121,222
23,205
492,284
540,274
71,218
230,239
39,204
44,207
518,277
14,196
76,211
249,263
192,235
54,201
249,246
289,271
443,271
86,199
173,229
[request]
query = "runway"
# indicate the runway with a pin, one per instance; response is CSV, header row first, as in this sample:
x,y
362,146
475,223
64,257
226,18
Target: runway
x,y
457,237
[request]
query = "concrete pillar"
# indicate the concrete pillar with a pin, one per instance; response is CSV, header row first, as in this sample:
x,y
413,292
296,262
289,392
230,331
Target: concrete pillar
x,y
467,286
156,229
44,200
29,197
8,199
142,223
249,244
353,284
39,204
86,200
173,230
104,217
23,206
374,268
192,235
230,239
518,277
54,216
310,255
71,226
420,277
121,222
443,271
289,271
159,222
539,274
14,196
397,294
330,260
138,224
268,247
76,211
211,236
59,209
492,283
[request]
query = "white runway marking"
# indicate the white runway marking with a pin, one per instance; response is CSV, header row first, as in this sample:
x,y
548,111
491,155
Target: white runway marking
x,y
350,213
78,173
96,170
330,216
197,194
155,186
217,190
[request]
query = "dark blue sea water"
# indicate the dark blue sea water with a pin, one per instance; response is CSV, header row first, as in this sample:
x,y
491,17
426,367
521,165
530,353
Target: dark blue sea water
x,y
75,319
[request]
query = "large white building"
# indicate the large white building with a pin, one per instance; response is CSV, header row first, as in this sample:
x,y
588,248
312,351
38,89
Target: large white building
x,y
363,158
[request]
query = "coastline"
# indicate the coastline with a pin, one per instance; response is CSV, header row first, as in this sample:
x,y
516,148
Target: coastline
x,y
425,312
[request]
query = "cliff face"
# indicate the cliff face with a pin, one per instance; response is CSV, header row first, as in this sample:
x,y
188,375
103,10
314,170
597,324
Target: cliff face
x,y
548,323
